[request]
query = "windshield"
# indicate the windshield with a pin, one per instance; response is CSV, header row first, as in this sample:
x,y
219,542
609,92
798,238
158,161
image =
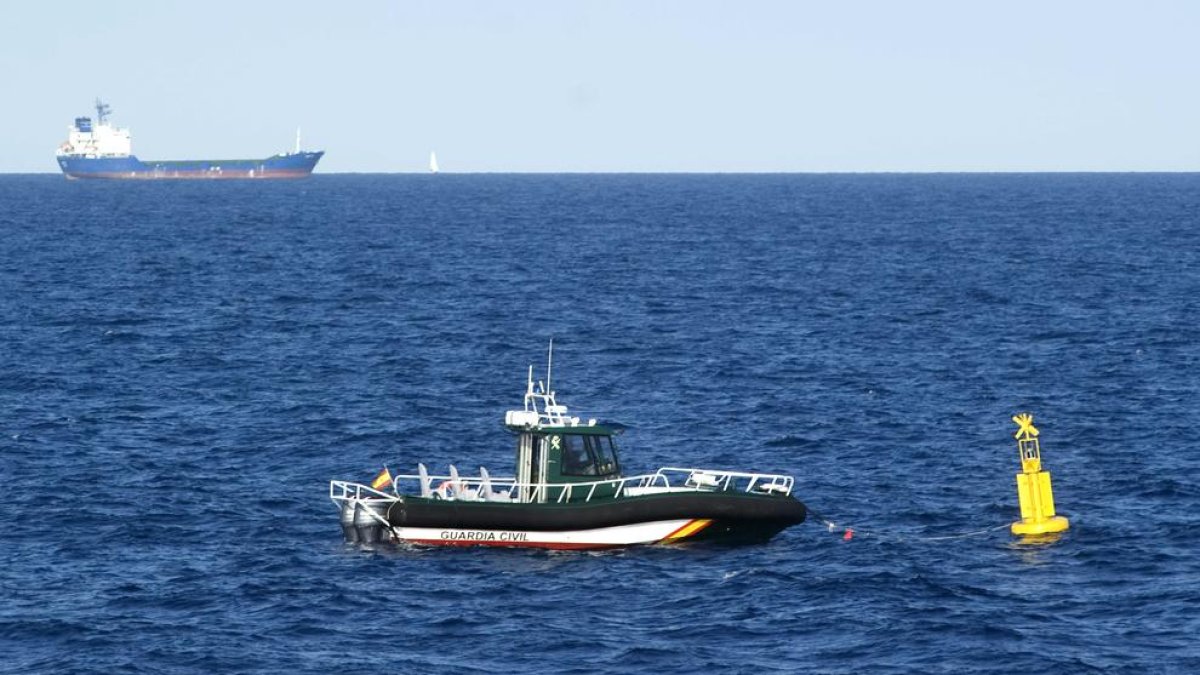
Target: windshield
x,y
577,457
605,454
587,455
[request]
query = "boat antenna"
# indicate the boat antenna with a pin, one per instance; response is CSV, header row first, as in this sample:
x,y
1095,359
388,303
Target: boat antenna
x,y
102,111
549,364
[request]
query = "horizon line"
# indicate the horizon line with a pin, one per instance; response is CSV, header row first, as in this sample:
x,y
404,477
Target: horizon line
x,y
869,172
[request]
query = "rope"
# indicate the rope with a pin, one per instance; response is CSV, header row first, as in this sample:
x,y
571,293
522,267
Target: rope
x,y
848,531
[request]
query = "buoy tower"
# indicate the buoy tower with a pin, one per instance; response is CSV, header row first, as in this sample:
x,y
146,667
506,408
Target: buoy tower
x,y
1033,485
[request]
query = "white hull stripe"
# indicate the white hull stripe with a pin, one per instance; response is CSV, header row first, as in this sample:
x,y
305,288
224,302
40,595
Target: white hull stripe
x,y
621,535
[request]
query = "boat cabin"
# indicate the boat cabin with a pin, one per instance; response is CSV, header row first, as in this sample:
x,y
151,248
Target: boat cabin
x,y
557,449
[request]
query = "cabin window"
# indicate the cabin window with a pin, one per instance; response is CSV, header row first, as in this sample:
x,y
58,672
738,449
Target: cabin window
x,y
577,457
605,454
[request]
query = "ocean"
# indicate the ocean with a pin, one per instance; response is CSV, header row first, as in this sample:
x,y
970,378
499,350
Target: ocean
x,y
185,365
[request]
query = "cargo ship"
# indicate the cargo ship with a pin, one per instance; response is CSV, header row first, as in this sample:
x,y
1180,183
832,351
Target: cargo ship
x,y
100,150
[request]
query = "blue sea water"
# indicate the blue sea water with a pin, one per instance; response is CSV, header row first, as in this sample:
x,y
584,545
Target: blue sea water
x,y
184,366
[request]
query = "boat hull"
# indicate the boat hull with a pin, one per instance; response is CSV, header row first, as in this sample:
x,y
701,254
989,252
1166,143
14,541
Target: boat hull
x,y
299,165
610,523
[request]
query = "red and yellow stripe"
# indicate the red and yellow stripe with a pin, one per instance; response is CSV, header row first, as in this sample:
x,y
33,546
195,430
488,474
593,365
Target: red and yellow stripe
x,y
689,529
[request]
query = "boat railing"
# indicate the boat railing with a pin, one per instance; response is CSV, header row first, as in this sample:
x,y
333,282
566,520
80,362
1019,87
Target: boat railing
x,y
454,486
562,493
344,490
720,480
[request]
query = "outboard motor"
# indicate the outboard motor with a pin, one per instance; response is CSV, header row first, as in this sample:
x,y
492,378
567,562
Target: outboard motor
x,y
347,520
367,523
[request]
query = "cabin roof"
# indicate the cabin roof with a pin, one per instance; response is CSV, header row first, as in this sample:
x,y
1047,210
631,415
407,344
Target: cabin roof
x,y
581,429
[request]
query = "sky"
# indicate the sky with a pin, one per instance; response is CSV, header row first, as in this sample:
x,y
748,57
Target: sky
x,y
616,85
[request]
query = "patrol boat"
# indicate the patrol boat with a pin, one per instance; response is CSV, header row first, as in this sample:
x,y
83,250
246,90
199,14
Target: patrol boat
x,y
568,493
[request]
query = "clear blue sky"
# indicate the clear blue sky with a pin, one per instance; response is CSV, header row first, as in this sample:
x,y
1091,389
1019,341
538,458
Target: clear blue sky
x,y
616,85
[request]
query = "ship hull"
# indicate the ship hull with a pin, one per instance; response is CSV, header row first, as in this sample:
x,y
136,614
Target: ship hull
x,y
652,519
299,165
677,531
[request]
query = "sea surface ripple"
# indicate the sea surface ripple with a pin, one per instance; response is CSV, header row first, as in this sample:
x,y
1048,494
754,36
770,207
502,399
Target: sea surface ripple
x,y
184,367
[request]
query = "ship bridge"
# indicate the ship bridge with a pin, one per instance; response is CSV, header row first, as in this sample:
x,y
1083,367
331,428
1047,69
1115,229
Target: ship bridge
x,y
99,139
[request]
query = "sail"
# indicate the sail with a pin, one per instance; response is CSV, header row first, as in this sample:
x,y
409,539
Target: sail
x,y
433,167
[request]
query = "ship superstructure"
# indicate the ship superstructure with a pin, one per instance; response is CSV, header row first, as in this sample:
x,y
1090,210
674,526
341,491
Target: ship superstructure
x,y
97,149
100,139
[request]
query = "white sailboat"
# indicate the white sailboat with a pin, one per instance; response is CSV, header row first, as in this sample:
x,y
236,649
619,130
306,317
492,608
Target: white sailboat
x,y
433,167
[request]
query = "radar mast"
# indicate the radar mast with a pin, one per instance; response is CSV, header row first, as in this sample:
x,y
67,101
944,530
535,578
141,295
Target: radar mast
x,y
102,111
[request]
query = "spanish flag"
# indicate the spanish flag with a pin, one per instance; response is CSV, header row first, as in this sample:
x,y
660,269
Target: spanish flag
x,y
383,480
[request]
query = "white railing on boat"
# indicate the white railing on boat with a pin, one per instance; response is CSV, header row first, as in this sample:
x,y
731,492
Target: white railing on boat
x,y
341,490
488,488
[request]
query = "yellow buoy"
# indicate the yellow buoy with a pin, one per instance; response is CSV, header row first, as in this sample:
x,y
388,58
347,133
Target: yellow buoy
x,y
1033,485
